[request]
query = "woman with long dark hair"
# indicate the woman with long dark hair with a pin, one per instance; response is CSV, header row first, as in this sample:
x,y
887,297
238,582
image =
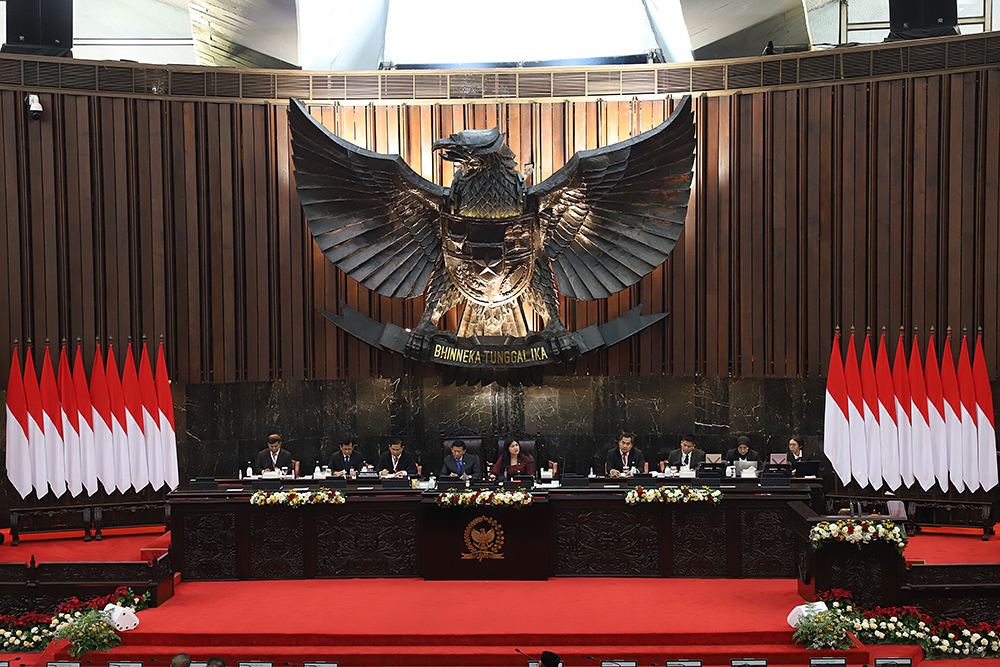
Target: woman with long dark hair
x,y
512,462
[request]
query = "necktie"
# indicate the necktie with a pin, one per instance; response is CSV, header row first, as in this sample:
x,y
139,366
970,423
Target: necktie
x,y
395,463
687,460
347,463
458,462
624,461
274,458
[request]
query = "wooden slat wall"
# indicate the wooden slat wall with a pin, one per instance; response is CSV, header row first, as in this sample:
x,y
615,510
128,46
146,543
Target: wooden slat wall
x,y
867,205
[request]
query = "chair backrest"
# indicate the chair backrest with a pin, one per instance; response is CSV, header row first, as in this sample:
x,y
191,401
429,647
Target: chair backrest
x,y
473,446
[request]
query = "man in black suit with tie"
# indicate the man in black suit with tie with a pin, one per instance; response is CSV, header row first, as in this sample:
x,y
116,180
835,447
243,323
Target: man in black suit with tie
x,y
686,456
346,460
274,457
396,462
625,458
460,464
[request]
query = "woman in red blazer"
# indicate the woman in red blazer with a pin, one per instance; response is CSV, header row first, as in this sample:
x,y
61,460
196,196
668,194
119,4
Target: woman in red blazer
x,y
513,462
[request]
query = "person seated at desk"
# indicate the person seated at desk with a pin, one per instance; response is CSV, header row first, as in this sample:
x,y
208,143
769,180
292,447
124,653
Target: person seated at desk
x,y
513,462
795,450
742,451
274,457
624,460
396,462
346,460
686,456
460,464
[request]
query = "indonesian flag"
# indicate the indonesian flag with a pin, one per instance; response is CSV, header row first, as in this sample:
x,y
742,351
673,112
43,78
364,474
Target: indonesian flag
x,y
165,403
138,463
920,431
888,442
70,427
55,454
104,442
855,416
869,390
836,430
953,420
123,474
36,432
985,426
150,421
901,388
937,416
88,454
18,454
970,441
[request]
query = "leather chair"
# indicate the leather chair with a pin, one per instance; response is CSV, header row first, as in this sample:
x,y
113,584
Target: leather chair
x,y
527,447
473,447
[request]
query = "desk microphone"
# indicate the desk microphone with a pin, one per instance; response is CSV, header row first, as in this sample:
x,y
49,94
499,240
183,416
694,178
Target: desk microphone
x,y
529,657
602,661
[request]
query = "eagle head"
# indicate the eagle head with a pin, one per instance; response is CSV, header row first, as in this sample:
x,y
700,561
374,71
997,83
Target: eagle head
x,y
476,149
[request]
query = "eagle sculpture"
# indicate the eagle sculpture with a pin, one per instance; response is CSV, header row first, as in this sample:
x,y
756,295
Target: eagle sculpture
x,y
596,226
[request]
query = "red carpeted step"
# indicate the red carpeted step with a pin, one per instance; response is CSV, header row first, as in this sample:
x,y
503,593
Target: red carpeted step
x,y
156,548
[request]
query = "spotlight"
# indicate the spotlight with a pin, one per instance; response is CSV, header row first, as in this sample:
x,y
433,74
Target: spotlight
x,y
34,106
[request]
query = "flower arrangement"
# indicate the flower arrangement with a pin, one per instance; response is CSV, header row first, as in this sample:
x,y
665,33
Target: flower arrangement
x,y
484,497
857,532
33,631
88,633
952,638
673,494
298,498
824,630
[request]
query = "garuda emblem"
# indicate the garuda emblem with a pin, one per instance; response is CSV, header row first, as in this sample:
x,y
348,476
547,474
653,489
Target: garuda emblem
x,y
492,246
484,539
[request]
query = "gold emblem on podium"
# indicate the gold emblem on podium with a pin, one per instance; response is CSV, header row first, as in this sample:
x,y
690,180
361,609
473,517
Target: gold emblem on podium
x,y
484,538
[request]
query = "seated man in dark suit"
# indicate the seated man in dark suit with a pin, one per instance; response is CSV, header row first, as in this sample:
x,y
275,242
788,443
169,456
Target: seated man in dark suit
x,y
274,457
396,462
460,464
346,460
625,459
686,456
742,451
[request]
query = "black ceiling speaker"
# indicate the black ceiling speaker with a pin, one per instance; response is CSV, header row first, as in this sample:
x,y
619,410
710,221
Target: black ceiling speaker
x,y
916,19
39,27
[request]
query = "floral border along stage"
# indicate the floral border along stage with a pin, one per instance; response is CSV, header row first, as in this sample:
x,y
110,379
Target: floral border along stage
x,y
857,532
298,498
673,494
484,497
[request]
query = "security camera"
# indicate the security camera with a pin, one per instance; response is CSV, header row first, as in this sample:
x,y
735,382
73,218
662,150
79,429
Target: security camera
x,y
34,106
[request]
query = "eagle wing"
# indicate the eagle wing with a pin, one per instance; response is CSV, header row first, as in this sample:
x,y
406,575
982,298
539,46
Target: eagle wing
x,y
371,214
612,215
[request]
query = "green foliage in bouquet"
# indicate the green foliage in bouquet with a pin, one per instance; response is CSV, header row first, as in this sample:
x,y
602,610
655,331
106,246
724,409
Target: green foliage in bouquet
x,y
89,633
825,630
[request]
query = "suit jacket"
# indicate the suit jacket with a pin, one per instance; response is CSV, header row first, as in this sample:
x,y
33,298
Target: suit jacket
x,y
614,460
734,455
264,461
470,466
525,466
336,464
406,462
674,458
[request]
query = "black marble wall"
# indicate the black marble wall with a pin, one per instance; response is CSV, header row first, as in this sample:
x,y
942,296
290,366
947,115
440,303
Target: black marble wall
x,y
222,427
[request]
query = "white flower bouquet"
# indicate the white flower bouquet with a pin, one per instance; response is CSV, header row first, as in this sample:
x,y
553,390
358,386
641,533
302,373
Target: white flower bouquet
x,y
298,498
673,494
857,532
484,497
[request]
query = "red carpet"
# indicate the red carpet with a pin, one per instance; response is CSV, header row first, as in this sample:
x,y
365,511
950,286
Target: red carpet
x,y
410,622
953,545
118,544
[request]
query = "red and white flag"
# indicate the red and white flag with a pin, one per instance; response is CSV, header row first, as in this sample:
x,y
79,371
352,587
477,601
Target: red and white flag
x,y
855,416
953,420
138,463
150,421
104,441
901,388
869,390
888,435
936,416
168,436
70,426
36,429
119,421
970,440
836,429
88,454
985,426
55,454
18,454
920,430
